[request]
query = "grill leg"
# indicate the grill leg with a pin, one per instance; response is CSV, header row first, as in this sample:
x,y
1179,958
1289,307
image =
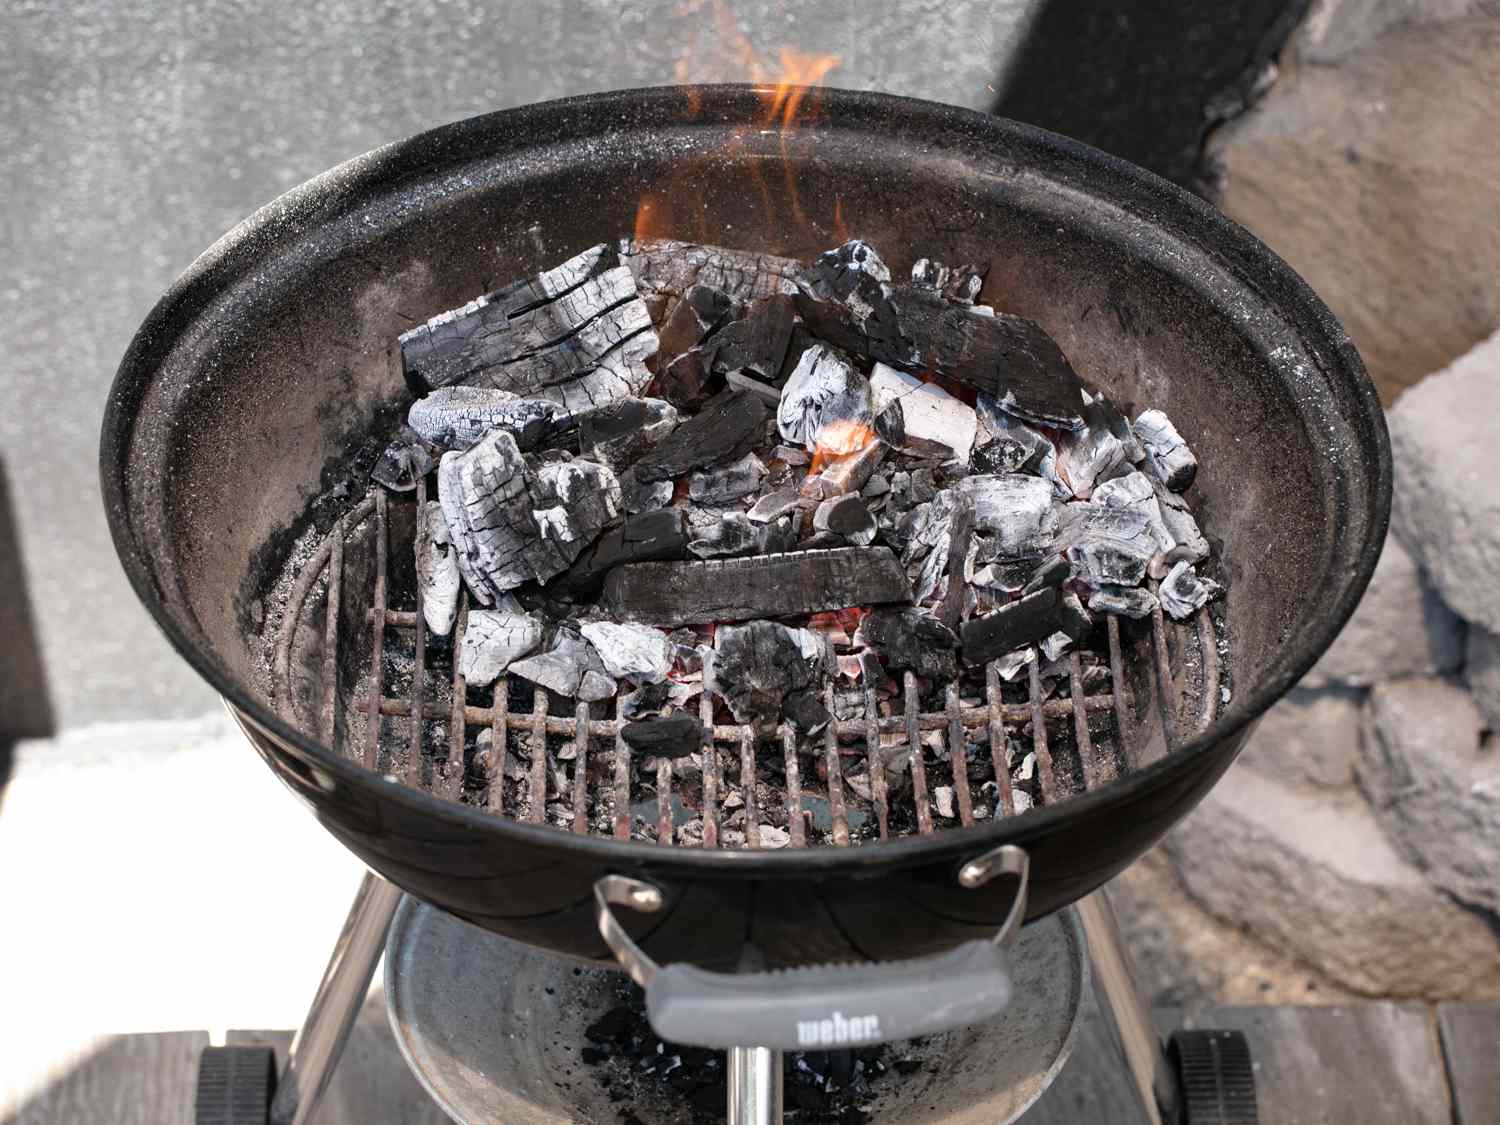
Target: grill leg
x,y
754,1086
317,1047
1145,1055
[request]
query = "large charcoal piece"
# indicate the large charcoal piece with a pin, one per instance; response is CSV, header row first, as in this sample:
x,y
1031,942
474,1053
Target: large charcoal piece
x,y
931,420
1017,512
912,638
511,524
666,267
1032,618
644,537
846,299
700,312
672,737
755,345
493,641
457,417
1100,449
1007,445
1169,456
578,335
691,593
758,665
625,430
726,429
1108,546
826,403
630,651
570,667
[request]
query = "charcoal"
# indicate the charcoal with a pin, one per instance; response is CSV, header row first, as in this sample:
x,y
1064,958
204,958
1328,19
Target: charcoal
x,y
1013,663
512,525
790,455
683,381
578,335
826,403
727,482
960,284
621,432
1075,621
1094,452
806,713
570,667
637,496
1054,572
877,486
846,516
1187,540
638,653
457,417
640,538
1014,575
670,268
756,344
1017,512
405,461
733,534
725,430
750,384
823,541
675,737
1123,601
911,638
960,539
1055,646
757,665
701,311
890,424
1183,592
683,593
1167,454
1008,442
437,570
774,505
942,797
493,641
845,473
781,535
1107,546
1031,619
931,418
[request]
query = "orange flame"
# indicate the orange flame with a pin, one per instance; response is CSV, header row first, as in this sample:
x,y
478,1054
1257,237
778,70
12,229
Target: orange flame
x,y
839,439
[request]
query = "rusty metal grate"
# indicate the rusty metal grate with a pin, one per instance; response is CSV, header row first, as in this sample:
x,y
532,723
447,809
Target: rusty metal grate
x,y
1177,707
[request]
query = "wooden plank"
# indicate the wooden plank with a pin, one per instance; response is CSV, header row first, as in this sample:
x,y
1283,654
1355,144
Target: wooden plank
x,y
128,1080
1470,1033
371,1083
1377,1064
1094,1085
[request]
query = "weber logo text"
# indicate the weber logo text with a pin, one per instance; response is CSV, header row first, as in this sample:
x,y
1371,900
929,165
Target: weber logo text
x,y
837,1029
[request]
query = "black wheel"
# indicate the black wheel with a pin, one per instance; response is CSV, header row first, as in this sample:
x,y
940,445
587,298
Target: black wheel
x,y
1216,1077
235,1085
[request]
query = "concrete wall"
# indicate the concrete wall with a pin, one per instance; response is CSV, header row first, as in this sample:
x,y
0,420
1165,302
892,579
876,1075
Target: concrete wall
x,y
134,135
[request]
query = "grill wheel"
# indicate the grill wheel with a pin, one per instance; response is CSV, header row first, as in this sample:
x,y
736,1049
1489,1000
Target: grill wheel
x,y
1216,1076
235,1086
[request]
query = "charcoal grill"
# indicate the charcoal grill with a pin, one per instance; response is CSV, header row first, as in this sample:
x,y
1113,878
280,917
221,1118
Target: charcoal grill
x,y
246,415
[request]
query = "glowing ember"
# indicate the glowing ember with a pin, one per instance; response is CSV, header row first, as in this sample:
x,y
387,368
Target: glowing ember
x,y
838,438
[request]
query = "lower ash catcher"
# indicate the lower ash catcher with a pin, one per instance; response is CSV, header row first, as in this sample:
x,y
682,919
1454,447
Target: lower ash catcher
x,y
1154,297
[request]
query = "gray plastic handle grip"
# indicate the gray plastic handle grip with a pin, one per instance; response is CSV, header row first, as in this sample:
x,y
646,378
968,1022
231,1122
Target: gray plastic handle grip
x,y
830,1007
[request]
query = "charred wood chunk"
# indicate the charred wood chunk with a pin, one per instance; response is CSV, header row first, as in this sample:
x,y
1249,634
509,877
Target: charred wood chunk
x,y
457,417
621,432
405,461
731,535
1094,452
646,537
911,638
847,516
1187,540
687,593
570,667
932,420
1017,512
806,712
493,641
1167,454
1183,592
727,482
437,570
1123,601
511,524
581,348
916,330
1013,576
1107,546
630,651
757,665
674,737
638,496
826,403
756,344
726,429
683,381
666,266
774,505
960,539
1006,444
1029,620
1075,622
700,312
1054,572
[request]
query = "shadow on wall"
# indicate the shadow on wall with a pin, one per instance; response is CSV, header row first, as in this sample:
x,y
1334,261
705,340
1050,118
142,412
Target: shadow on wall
x,y
1146,80
25,704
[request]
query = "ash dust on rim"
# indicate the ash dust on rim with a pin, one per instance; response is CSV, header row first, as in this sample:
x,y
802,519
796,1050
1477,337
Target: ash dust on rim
x,y
664,478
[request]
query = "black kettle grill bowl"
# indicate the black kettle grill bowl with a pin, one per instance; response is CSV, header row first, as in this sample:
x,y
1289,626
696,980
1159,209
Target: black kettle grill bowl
x,y
267,362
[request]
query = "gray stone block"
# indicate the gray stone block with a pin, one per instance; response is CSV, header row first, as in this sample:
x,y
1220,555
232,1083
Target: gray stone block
x,y
1482,672
1401,628
1314,877
1435,793
1308,738
1446,509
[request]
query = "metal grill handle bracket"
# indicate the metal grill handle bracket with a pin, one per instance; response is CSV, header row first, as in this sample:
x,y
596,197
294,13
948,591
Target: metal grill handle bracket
x,y
827,1005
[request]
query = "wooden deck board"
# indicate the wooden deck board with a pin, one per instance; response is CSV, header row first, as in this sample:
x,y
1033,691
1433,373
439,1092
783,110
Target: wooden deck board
x,y
1471,1036
129,1080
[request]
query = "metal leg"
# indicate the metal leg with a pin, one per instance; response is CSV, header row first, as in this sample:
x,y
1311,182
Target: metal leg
x,y
317,1047
754,1086
1155,1080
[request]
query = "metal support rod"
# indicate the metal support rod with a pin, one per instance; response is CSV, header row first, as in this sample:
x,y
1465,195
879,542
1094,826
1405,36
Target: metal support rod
x,y
320,1042
1154,1079
755,1088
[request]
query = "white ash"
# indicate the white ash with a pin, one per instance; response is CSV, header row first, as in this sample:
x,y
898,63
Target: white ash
x,y
1167,454
1183,592
570,667
942,796
825,392
928,413
1013,663
728,482
630,651
493,641
437,571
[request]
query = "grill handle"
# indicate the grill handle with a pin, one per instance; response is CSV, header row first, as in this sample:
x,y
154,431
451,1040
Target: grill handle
x,y
827,1006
